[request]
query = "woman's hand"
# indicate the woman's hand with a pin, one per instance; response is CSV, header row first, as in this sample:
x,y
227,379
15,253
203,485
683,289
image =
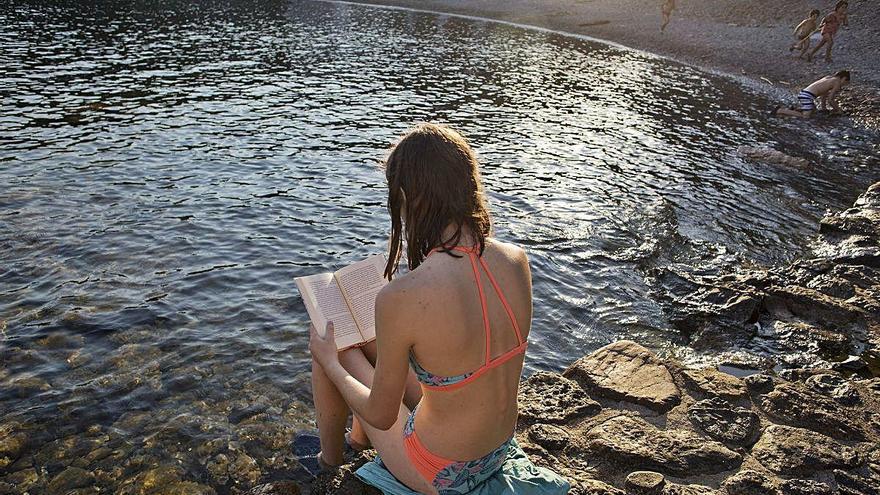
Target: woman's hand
x,y
323,349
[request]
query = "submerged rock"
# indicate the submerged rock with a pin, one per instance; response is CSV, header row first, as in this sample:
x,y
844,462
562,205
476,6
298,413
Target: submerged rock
x,y
627,371
769,155
69,479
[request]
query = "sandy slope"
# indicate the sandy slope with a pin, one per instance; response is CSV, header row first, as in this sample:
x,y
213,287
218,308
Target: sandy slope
x,y
737,36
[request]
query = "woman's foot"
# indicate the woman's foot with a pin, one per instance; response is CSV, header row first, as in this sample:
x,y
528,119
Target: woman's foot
x,y
324,466
316,465
355,445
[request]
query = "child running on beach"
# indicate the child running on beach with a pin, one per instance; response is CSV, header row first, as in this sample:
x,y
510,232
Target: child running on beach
x,y
666,9
830,24
803,31
826,89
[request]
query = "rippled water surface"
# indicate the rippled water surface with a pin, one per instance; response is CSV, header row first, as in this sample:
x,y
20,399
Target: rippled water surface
x,y
167,169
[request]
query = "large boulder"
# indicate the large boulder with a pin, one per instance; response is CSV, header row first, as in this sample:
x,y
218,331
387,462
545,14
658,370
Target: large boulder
x,y
629,372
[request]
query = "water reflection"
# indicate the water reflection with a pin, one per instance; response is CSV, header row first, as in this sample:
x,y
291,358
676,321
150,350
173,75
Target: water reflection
x,y
169,168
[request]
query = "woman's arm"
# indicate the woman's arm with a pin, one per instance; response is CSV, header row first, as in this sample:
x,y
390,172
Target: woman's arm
x,y
379,403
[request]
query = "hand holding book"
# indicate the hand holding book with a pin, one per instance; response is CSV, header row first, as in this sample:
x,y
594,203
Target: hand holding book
x,y
346,297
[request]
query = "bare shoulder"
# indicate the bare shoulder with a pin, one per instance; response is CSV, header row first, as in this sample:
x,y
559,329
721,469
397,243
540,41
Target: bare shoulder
x,y
512,252
398,290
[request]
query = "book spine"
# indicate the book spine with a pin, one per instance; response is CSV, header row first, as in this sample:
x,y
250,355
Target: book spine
x,y
345,297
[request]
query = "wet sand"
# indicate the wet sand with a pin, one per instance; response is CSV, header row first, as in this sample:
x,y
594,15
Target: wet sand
x,y
742,37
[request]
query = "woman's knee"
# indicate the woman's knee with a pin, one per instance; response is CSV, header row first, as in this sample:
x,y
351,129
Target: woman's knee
x,y
356,363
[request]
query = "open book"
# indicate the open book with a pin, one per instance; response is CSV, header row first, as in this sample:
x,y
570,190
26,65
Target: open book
x,y
347,297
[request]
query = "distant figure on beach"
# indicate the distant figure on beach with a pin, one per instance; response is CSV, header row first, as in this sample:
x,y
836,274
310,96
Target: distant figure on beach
x,y
804,31
830,24
826,89
460,318
666,9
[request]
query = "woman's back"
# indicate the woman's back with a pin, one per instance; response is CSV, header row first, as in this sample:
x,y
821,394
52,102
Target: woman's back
x,y
444,311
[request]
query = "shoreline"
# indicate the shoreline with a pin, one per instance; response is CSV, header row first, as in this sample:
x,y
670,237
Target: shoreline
x,y
723,36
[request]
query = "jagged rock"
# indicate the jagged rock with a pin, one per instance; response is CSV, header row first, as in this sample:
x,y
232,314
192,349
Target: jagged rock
x,y
644,483
804,340
673,489
185,488
548,436
22,480
714,383
150,480
793,405
834,386
239,415
343,480
218,468
856,484
627,371
12,442
552,398
724,422
244,469
797,451
749,482
785,302
759,383
630,441
69,479
805,487
593,487
276,488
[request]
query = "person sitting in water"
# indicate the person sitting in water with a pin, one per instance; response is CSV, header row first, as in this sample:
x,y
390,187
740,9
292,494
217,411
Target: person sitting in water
x,y
666,9
460,317
803,32
826,89
830,24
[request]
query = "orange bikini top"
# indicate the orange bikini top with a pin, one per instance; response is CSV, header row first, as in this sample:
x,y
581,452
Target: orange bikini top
x,y
437,382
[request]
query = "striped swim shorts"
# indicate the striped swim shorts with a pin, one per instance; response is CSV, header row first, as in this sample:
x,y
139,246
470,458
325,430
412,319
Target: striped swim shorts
x,y
807,101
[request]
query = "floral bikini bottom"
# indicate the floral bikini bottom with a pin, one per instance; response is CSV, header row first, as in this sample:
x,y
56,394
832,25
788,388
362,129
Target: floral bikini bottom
x,y
451,477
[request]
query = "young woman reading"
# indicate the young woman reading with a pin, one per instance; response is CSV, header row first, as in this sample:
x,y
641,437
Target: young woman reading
x,y
460,318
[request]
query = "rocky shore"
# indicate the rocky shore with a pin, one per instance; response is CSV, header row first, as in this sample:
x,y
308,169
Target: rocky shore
x,y
621,420
624,421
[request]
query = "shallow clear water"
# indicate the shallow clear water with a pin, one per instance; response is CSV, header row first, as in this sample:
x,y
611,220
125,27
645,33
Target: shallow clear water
x,y
167,171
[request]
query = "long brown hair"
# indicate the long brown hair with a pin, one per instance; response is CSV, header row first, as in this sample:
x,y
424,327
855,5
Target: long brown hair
x,y
433,170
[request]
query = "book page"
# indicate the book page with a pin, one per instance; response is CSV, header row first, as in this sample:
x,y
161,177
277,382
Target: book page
x,y
324,303
361,282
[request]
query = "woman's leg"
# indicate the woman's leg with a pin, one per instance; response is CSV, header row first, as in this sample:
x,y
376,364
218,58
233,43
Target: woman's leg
x,y
332,414
389,443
